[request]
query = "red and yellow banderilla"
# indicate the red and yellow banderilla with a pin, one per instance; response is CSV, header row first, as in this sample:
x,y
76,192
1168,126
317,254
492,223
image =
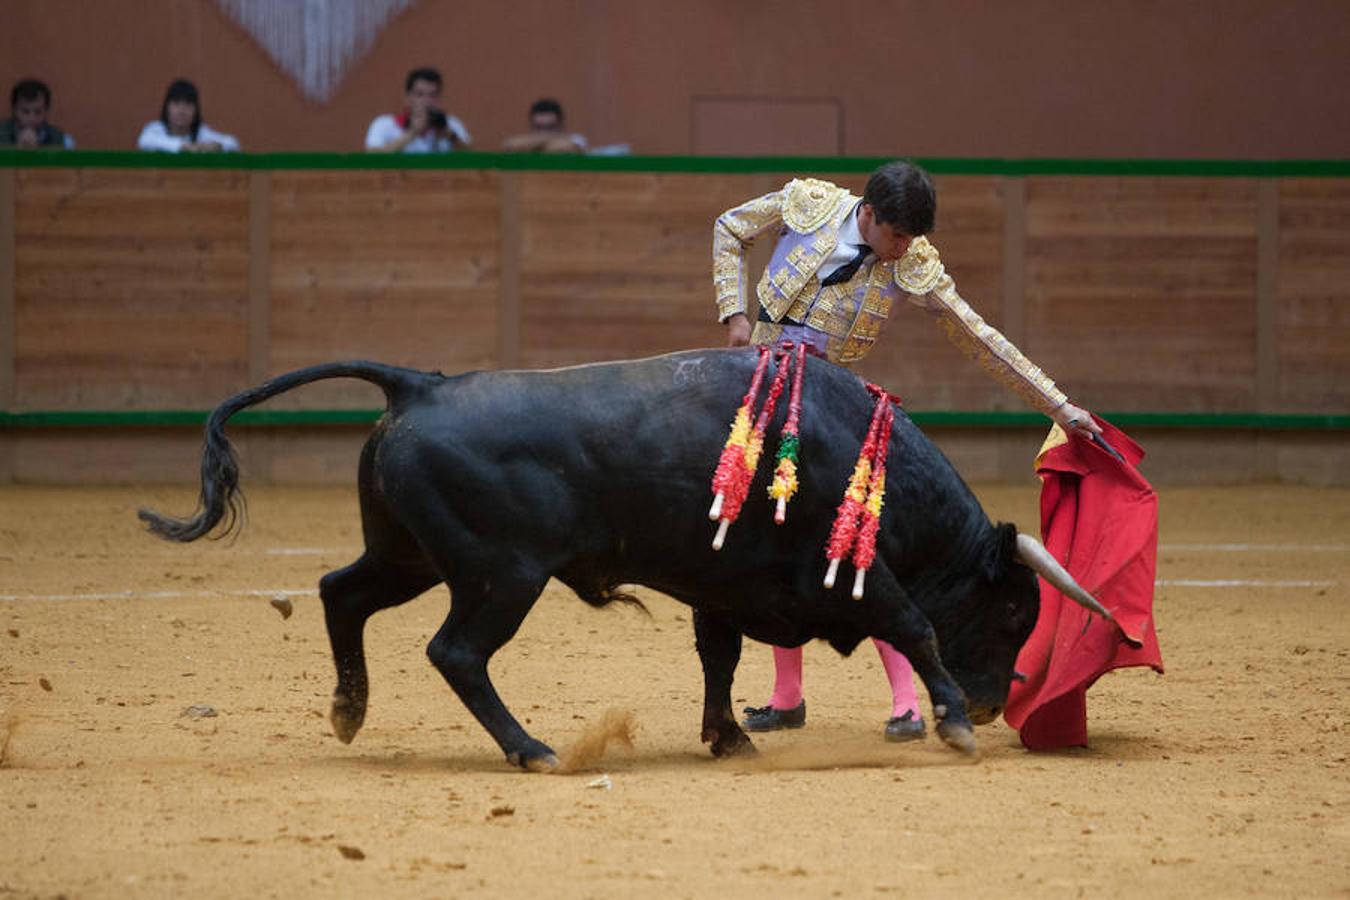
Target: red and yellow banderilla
x,y
859,518
740,454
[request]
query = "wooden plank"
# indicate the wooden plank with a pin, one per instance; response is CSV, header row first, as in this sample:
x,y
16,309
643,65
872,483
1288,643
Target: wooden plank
x,y
259,275
1267,281
1013,192
7,212
1141,293
130,287
1312,331
260,300
6,317
619,264
400,266
508,300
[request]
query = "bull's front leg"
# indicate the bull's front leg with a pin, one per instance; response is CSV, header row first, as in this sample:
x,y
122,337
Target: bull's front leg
x,y
719,650
949,701
898,622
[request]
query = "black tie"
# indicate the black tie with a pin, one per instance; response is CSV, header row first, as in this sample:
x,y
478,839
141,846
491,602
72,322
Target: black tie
x,y
848,269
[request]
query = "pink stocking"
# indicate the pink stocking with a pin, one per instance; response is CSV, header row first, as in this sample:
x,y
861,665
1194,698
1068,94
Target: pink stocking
x,y
787,677
901,675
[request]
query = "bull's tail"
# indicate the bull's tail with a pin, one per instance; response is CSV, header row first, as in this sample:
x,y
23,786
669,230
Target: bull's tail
x,y
221,497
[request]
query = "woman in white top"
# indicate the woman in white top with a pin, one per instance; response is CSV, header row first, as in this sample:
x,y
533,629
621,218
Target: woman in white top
x,y
180,129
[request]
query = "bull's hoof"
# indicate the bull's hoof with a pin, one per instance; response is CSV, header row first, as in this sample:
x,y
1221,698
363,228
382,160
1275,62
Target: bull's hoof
x,y
724,744
537,757
541,763
347,718
959,736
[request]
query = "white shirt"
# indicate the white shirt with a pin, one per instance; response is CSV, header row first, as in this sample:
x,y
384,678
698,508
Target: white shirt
x,y
155,136
850,239
386,128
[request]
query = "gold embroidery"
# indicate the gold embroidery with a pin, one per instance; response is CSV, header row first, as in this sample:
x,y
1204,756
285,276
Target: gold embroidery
x,y
994,353
854,349
733,230
818,319
920,268
765,333
809,203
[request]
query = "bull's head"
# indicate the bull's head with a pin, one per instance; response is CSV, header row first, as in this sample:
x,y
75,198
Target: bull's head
x,y
996,615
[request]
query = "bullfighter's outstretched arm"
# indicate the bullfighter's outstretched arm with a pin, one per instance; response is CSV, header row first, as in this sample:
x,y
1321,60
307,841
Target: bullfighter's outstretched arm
x,y
921,273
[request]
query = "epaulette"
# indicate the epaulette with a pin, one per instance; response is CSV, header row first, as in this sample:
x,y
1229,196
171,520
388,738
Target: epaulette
x,y
918,271
808,203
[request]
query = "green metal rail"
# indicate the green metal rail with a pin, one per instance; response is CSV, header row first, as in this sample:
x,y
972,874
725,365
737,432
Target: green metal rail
x,y
1189,168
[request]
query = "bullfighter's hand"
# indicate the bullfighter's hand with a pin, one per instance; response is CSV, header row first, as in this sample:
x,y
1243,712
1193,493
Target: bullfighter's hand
x,y
1076,420
738,331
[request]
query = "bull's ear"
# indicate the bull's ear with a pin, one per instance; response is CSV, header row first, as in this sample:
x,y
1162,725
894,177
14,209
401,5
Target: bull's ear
x,y
1001,552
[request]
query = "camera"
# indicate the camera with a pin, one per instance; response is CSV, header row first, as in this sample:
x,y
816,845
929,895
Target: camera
x,y
435,118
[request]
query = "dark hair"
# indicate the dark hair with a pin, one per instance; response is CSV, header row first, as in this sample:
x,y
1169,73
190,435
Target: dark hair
x,y
901,195
30,89
547,105
425,74
182,89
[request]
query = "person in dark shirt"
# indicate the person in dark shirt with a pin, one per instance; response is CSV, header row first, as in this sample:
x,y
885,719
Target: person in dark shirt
x,y
27,127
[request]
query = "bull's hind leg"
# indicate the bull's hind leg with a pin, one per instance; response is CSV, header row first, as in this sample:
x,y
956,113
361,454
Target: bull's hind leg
x,y
486,611
719,650
350,597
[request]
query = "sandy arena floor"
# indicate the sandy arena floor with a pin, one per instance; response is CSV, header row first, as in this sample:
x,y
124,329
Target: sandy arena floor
x,y
1226,777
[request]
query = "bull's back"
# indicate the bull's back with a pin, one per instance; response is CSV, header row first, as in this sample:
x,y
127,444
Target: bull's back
x,y
617,458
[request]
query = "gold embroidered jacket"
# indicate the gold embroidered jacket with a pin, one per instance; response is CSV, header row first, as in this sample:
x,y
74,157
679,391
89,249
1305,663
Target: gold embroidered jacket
x,y
806,216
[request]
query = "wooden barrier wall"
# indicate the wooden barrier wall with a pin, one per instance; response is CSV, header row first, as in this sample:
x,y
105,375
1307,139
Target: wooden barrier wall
x,y
166,289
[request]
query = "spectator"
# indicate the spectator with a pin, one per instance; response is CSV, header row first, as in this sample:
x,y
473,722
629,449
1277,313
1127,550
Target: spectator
x,y
546,133
27,127
180,129
422,127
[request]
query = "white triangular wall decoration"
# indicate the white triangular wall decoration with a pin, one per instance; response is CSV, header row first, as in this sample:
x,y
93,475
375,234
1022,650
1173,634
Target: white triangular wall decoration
x,y
314,41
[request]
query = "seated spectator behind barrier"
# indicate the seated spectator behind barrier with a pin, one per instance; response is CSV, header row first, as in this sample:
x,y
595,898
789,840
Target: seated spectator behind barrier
x,y
422,127
546,133
180,128
27,126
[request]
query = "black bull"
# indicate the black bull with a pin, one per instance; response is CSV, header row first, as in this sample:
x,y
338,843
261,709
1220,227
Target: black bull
x,y
599,476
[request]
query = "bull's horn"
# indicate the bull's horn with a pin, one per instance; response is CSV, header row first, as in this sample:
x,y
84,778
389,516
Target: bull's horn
x,y
1032,553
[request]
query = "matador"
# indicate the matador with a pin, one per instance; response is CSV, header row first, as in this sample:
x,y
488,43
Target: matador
x,y
839,265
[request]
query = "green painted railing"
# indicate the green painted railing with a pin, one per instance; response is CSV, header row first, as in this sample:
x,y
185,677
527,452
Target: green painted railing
x,y
936,418
1192,168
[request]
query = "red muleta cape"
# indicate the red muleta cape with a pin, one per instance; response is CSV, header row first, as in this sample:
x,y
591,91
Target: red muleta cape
x,y
1099,517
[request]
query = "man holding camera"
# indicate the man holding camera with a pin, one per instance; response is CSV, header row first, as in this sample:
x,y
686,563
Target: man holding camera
x,y
422,127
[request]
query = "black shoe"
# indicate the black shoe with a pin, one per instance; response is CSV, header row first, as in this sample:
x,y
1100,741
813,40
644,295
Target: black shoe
x,y
908,727
766,718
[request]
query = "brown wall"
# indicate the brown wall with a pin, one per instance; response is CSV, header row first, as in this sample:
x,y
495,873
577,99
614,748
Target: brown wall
x,y
133,289
1099,78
